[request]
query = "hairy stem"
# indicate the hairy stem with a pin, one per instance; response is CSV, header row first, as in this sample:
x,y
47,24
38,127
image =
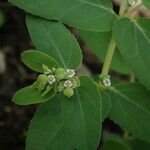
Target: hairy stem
x,y
134,8
109,56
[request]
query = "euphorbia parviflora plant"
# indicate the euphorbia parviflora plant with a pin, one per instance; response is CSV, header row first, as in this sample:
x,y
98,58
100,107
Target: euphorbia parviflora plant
x,y
73,108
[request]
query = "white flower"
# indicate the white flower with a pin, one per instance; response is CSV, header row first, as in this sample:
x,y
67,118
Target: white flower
x,y
70,73
51,79
68,84
107,82
132,2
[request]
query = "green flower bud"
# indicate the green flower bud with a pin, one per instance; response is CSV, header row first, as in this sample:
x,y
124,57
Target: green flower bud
x,y
59,87
68,92
59,70
60,73
43,80
76,82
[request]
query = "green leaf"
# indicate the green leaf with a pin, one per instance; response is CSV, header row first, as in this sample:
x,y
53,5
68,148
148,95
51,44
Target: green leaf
x,y
106,3
83,14
135,50
68,123
139,145
106,105
146,3
98,43
28,95
55,40
114,142
34,60
144,23
131,109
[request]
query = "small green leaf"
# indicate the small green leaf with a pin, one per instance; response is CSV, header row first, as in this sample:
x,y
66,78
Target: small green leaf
x,y
83,14
29,95
146,3
106,105
98,42
114,142
136,49
106,3
68,123
139,145
35,59
131,109
55,40
144,23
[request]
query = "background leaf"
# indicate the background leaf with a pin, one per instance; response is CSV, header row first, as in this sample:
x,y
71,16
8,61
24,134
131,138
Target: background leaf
x,y
83,14
115,142
146,3
55,40
68,123
131,109
98,42
34,60
106,105
28,95
138,145
136,49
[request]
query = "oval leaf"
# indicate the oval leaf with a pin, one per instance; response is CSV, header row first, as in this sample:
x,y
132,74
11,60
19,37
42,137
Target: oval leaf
x,y
68,123
98,43
115,142
82,14
28,95
146,3
34,60
55,40
131,109
136,49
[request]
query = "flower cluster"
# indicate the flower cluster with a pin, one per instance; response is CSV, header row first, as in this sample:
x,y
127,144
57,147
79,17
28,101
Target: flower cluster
x,y
57,80
105,80
132,2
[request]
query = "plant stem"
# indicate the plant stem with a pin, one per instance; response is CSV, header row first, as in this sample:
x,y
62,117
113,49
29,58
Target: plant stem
x,y
123,7
109,56
134,8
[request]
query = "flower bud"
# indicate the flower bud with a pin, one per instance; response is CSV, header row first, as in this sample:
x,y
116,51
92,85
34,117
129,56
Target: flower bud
x,y
60,73
68,92
43,80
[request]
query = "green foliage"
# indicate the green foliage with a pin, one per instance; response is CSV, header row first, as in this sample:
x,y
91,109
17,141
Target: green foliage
x,y
98,42
130,109
64,123
83,14
72,117
136,50
48,37
29,95
34,60
114,142
146,3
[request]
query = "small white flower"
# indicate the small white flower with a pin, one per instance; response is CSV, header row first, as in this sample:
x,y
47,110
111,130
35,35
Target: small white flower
x,y
70,73
51,79
132,2
107,82
68,84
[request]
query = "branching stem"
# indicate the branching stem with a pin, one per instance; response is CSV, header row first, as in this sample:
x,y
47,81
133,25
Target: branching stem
x,y
108,58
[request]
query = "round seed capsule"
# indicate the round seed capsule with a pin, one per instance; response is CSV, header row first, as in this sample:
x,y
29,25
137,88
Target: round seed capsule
x,y
68,92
